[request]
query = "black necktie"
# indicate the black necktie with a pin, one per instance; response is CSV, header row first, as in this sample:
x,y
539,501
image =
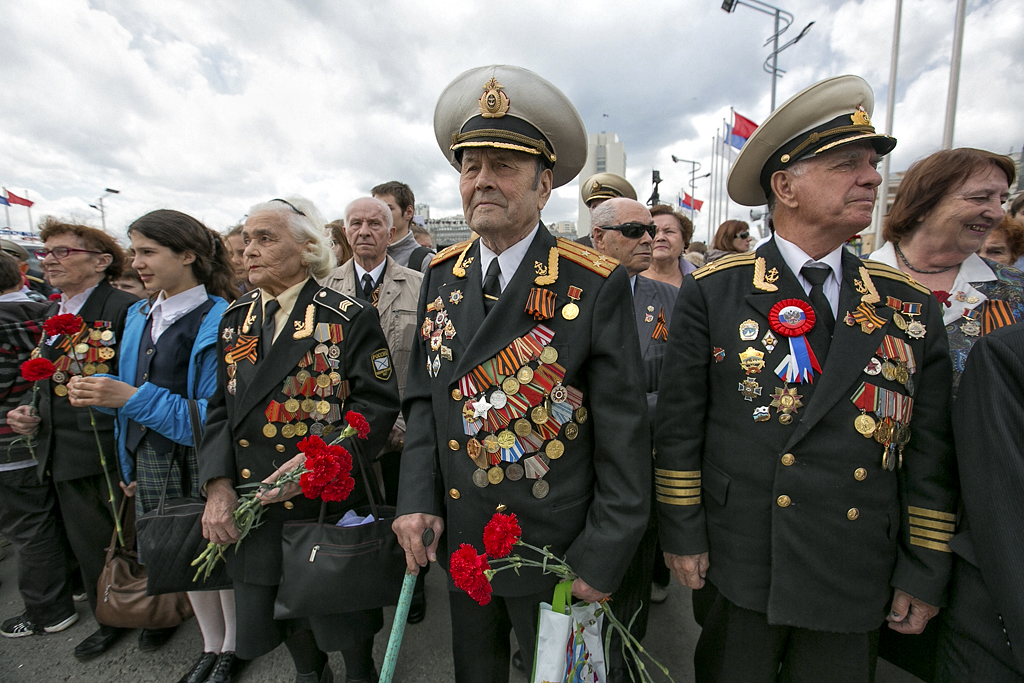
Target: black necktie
x,y
267,329
822,308
492,288
367,287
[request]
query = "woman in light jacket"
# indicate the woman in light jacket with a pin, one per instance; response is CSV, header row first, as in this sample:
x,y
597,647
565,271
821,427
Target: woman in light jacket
x,y
168,360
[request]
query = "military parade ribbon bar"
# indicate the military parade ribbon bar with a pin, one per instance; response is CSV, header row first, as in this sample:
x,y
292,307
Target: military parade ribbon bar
x,y
866,397
541,303
894,405
866,317
995,314
245,348
793,318
543,334
535,468
660,329
894,349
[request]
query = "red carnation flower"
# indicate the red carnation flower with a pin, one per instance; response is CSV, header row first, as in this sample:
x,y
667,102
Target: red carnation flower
x,y
358,423
467,570
500,534
339,489
63,324
37,369
55,296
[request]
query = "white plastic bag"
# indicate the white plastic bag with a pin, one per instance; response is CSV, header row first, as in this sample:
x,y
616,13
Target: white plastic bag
x,y
569,644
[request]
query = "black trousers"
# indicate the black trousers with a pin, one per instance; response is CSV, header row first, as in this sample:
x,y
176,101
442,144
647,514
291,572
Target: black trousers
x,y
28,518
740,645
480,633
89,523
633,594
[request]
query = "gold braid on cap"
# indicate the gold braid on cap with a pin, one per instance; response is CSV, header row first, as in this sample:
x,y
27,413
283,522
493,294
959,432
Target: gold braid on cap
x,y
522,142
815,137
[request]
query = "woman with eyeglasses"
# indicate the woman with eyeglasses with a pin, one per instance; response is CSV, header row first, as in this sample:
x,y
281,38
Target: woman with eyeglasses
x,y
946,206
733,237
169,360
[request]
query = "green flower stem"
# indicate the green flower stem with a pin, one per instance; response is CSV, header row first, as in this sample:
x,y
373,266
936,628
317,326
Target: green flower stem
x,y
106,475
345,433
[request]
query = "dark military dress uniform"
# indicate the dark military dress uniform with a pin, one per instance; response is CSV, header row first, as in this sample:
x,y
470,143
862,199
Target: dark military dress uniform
x,y
576,469
803,522
66,444
249,433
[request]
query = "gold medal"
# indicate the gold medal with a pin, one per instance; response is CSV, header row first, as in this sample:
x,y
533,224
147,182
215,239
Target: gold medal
x,y
883,433
107,335
581,414
323,381
510,386
506,439
328,429
522,427
491,444
900,321
885,459
302,376
554,449
570,311
228,358
94,334
308,405
60,390
301,429
525,374
785,419
539,415
456,394
901,374
548,355
89,369
495,475
81,348
291,405
287,431
323,407
889,371
335,378
572,430
865,425
102,368
106,353
269,430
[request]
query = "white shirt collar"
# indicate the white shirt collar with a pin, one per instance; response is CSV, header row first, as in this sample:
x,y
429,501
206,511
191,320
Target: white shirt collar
x,y
165,312
632,284
75,303
375,274
509,259
796,258
13,296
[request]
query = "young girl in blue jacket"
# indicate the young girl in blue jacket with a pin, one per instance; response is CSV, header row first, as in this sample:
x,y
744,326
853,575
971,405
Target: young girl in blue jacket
x,y
168,359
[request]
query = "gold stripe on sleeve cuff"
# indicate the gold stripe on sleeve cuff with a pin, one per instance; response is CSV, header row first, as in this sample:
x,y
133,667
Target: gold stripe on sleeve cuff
x,y
678,483
677,474
677,491
670,500
925,533
943,547
941,526
932,514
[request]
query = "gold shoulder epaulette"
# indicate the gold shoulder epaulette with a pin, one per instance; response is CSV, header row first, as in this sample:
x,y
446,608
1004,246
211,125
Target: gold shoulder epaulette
x,y
746,259
243,300
588,257
887,271
448,252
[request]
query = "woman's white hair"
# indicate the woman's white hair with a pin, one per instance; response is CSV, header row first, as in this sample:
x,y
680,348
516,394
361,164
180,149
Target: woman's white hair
x,y
307,227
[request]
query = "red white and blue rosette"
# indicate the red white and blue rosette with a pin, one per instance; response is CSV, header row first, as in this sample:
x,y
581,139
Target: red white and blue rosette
x,y
793,319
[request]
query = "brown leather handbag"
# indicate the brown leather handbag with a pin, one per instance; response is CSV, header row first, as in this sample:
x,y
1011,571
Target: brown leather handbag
x,y
121,598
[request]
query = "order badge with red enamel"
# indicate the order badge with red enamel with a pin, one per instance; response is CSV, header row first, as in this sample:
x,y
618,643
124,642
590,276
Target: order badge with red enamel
x,y
793,319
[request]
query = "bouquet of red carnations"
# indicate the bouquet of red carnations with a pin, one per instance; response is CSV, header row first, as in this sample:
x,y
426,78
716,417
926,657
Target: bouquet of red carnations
x,y
326,473
473,573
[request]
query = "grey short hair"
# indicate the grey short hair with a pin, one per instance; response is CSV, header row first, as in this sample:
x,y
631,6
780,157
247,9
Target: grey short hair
x,y
381,204
797,168
604,214
307,228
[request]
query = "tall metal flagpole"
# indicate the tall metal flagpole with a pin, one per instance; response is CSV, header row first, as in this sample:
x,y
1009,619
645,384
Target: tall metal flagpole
x,y
954,74
29,209
890,110
714,179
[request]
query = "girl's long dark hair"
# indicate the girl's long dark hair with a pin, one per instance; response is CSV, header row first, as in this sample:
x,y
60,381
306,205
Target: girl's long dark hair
x,y
181,233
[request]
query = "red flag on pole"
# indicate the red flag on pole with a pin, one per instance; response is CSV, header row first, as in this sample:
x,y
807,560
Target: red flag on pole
x,y
15,199
742,126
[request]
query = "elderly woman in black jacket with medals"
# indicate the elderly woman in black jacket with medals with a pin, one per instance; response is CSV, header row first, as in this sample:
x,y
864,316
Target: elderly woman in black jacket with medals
x,y
272,340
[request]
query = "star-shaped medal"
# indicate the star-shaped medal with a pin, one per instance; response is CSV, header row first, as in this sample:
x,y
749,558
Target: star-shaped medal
x,y
786,400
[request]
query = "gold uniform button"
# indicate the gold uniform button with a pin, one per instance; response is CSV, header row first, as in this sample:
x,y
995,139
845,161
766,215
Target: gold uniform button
x,y
788,459
860,474
244,443
280,448
783,501
853,514
454,445
454,493
246,473
288,505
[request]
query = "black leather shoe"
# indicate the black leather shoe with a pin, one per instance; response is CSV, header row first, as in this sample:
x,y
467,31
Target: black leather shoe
x,y
200,671
98,643
152,639
517,660
227,668
373,678
326,676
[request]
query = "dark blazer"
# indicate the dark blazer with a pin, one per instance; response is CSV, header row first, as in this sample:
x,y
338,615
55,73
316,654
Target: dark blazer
x,y
73,453
801,520
652,300
987,603
234,445
598,503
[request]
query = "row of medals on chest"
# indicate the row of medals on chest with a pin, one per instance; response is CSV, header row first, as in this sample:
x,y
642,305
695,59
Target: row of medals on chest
x,y
481,451
95,352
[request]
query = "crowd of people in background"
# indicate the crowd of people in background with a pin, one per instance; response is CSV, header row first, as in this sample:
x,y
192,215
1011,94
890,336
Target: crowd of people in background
x,y
151,372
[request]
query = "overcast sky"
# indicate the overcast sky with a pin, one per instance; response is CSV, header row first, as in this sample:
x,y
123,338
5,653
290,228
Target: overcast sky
x,y
211,107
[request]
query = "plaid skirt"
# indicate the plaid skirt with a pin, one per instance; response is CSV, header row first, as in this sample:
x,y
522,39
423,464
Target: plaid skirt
x,y
151,469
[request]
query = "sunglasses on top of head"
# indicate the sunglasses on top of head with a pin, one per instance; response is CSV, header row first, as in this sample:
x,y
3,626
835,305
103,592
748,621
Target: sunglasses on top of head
x,y
633,229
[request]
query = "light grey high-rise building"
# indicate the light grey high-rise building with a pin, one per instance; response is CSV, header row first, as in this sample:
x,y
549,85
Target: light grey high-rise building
x,y
605,153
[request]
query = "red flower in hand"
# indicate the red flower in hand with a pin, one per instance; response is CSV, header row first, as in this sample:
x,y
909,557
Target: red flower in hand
x,y
37,369
358,423
339,489
63,324
467,570
328,470
500,534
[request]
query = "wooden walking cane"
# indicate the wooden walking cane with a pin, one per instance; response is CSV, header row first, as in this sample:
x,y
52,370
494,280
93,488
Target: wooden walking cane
x,y
401,614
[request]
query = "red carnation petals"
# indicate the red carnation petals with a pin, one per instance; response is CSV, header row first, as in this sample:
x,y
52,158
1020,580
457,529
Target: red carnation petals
x,y
358,423
501,534
467,570
37,369
63,324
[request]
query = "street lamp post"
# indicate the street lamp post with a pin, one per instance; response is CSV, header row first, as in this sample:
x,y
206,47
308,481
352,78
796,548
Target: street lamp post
x,y
783,20
694,167
103,213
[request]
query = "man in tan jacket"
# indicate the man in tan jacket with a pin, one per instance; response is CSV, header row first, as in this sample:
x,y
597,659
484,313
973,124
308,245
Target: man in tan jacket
x,y
394,290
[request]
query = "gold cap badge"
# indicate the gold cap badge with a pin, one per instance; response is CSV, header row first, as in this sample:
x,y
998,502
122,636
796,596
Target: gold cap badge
x,y
860,117
494,102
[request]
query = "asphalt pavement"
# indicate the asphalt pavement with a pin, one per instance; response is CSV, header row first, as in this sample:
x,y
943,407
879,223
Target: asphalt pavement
x,y
425,655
